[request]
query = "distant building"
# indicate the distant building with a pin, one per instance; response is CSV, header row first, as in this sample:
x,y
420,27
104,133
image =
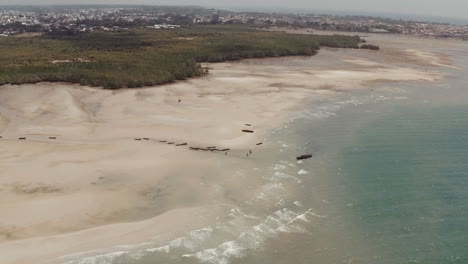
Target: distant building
x,y
164,26
215,19
378,30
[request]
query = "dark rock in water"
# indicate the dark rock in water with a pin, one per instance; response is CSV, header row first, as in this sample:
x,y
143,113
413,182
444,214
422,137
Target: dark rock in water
x,y
137,139
214,147
194,148
182,144
163,141
304,157
226,149
170,143
247,131
22,138
248,124
146,138
52,137
258,144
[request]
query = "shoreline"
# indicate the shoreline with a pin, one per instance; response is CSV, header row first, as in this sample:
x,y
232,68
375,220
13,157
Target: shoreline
x,y
106,175
364,34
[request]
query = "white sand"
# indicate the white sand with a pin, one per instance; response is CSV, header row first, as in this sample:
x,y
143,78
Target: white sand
x,y
92,186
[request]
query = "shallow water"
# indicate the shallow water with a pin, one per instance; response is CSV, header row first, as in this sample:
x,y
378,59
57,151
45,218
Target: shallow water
x,y
406,178
389,175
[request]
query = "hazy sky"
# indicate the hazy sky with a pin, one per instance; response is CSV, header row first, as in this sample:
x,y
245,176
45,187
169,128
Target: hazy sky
x,y
448,8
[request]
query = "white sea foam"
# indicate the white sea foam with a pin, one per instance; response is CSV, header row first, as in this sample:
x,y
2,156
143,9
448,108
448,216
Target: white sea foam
x,y
284,220
283,176
269,192
279,167
327,110
165,249
98,259
201,234
281,202
302,172
221,254
298,203
245,236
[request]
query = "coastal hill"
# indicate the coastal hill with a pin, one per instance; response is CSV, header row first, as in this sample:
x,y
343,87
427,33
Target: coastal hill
x,y
146,57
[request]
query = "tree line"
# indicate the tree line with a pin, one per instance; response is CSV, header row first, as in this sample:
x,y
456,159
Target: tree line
x,y
147,57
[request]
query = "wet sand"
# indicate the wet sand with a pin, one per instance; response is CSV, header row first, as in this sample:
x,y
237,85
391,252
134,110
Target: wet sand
x,y
95,186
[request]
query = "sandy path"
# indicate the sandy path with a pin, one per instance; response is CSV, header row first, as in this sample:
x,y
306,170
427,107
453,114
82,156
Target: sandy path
x,y
94,185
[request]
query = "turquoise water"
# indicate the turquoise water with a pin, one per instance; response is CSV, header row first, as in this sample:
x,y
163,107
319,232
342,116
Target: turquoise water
x,y
406,179
389,175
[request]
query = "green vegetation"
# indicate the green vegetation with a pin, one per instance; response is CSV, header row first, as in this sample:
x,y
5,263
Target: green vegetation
x,y
371,47
146,57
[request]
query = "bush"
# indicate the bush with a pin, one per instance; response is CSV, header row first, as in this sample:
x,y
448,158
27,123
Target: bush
x,y
371,47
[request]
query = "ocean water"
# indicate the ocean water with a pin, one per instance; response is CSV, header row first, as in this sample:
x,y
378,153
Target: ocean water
x,y
388,183
389,177
404,175
406,180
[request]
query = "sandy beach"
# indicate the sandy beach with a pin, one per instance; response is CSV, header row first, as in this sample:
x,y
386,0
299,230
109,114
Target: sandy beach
x,y
108,176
